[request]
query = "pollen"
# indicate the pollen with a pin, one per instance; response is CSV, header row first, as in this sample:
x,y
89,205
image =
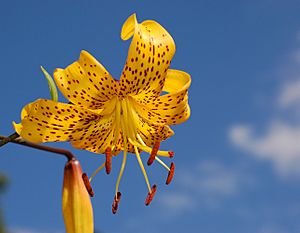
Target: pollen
x,y
108,160
87,184
150,195
116,202
170,174
153,153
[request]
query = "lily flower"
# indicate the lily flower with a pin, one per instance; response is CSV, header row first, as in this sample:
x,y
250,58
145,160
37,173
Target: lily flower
x,y
106,115
76,203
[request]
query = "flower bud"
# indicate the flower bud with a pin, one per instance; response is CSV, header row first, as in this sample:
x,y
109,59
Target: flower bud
x,y
76,203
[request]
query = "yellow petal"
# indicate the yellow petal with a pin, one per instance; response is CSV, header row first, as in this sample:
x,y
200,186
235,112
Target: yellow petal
x,y
97,137
76,203
149,57
86,82
47,120
171,108
128,27
151,132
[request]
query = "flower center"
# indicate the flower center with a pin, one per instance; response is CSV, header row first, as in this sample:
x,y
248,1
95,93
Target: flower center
x,y
126,130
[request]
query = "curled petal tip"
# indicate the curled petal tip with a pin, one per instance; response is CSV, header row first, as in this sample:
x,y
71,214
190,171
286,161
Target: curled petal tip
x,y
171,173
128,27
116,202
150,195
18,127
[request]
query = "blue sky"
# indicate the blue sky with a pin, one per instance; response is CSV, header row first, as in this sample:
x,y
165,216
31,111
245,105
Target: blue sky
x,y
237,158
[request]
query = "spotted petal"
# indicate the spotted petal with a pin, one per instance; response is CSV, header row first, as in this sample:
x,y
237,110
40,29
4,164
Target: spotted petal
x,y
151,132
86,82
149,57
171,108
47,120
96,137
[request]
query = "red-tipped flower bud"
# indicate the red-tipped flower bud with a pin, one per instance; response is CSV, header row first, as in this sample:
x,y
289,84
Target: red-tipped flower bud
x,y
76,203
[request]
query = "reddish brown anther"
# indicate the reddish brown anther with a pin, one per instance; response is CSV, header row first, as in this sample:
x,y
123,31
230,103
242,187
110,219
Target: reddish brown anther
x,y
171,154
171,174
115,203
87,184
153,153
108,160
150,195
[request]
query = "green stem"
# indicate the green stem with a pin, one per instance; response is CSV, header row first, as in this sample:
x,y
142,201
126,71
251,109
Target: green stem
x,y
20,141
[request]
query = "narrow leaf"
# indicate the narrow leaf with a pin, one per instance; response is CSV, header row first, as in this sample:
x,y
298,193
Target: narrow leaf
x,y
51,84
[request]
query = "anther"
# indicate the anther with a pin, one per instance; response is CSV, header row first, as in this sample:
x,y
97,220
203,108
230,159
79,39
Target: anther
x,y
87,184
115,203
171,154
171,174
108,160
153,153
150,195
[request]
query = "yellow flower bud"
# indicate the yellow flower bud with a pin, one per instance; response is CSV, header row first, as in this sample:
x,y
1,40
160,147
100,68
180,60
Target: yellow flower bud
x,y
76,203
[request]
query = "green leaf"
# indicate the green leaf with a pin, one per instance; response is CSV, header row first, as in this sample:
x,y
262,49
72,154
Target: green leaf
x,y
51,84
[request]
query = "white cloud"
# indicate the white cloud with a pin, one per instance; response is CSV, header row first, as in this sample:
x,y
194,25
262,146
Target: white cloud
x,y
218,179
280,144
176,202
290,94
27,230
271,229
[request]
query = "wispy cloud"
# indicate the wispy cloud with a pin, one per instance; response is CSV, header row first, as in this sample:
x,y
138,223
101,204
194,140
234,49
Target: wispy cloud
x,y
26,230
271,229
280,141
290,94
206,184
177,202
280,144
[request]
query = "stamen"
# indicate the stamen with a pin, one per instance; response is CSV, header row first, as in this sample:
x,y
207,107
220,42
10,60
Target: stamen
x,y
124,159
148,149
131,120
162,163
140,139
116,202
87,184
108,160
117,122
121,171
171,174
142,167
153,153
96,171
150,195
140,143
171,154
128,123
